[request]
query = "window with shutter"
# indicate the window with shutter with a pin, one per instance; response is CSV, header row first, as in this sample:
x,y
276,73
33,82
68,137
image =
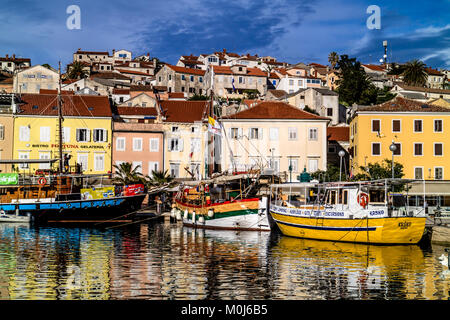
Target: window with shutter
x,y
417,125
120,144
438,126
2,132
24,133
438,149
375,125
273,134
418,149
376,149
137,144
396,125
44,134
154,145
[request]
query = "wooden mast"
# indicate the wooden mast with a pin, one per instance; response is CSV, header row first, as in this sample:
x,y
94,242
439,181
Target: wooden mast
x,y
60,120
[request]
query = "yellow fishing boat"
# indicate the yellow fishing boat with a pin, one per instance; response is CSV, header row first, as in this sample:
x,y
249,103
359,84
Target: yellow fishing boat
x,y
363,212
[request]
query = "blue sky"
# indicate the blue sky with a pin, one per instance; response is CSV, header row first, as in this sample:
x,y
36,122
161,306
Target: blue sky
x,y
293,31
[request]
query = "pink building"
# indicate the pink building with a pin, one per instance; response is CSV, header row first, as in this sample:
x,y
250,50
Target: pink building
x,y
140,144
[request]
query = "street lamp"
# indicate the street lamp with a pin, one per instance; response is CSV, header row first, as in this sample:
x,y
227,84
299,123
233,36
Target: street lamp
x,y
393,148
341,155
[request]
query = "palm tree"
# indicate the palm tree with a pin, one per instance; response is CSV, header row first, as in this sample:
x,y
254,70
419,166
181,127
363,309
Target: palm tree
x,y
76,71
125,174
415,74
160,178
333,59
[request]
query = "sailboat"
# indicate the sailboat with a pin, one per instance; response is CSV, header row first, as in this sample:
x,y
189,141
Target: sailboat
x,y
224,202
64,195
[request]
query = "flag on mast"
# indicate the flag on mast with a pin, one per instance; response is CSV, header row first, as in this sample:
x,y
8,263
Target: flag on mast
x,y
213,126
232,83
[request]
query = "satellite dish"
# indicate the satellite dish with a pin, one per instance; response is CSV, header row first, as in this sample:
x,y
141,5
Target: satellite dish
x,y
381,60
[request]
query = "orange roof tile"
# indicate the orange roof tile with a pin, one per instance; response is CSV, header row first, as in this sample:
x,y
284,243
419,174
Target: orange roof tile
x,y
72,105
275,110
338,133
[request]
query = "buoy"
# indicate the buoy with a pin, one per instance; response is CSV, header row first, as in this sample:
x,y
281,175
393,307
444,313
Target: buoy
x,y
185,214
201,219
172,212
178,215
193,216
210,213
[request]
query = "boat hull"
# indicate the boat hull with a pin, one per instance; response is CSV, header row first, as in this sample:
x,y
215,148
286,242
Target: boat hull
x,y
77,210
386,230
237,215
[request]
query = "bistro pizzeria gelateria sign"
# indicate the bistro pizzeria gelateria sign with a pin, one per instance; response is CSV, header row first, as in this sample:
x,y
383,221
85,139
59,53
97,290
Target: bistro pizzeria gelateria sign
x,y
9,179
68,146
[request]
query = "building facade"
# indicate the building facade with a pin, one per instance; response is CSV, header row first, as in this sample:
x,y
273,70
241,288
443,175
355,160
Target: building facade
x,y
419,132
275,135
87,131
32,80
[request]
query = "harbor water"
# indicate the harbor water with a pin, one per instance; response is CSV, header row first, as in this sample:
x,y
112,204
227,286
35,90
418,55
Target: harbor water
x,y
168,261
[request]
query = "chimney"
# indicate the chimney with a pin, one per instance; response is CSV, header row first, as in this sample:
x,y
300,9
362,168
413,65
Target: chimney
x,y
114,51
148,54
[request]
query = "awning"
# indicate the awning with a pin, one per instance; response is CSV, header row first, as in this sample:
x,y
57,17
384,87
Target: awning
x,y
432,188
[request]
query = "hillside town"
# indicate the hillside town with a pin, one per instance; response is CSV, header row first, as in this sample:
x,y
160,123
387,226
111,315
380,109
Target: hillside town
x,y
288,118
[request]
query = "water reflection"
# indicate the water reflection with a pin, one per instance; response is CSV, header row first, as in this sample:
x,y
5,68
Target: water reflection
x,y
162,261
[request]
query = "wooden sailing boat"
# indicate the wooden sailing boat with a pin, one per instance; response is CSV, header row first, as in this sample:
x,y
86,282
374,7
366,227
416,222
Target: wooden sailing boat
x,y
65,195
227,202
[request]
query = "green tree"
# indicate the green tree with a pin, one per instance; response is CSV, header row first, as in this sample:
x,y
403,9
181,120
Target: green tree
x,y
415,74
354,85
379,170
125,174
251,93
198,97
331,174
333,59
160,178
76,71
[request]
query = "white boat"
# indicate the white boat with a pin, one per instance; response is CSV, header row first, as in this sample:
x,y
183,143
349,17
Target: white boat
x,y
13,218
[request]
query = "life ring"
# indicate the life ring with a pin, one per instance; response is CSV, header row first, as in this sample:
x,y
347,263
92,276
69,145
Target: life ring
x,y
42,181
363,199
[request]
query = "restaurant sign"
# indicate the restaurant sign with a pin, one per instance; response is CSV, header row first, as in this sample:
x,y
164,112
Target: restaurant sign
x,y
9,179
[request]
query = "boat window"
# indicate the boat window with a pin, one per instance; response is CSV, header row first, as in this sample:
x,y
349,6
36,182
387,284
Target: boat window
x,y
345,197
399,200
333,197
376,196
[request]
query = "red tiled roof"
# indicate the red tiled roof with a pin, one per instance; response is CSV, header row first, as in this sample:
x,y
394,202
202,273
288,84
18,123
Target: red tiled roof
x,y
184,111
176,95
72,105
93,52
250,71
50,91
121,91
275,110
186,70
134,72
338,133
433,72
400,104
374,67
110,75
317,65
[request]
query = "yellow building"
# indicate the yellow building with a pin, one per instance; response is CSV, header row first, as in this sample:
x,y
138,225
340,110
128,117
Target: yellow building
x,y
420,132
87,132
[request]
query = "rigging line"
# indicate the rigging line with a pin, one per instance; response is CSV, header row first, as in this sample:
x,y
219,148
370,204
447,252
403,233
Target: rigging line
x,y
265,159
